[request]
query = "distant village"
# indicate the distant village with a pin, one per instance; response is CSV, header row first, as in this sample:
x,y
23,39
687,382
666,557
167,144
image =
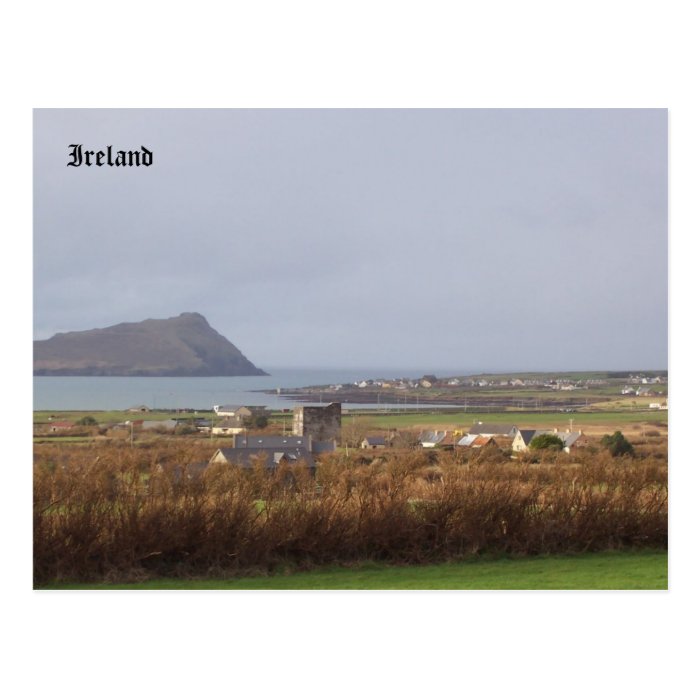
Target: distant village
x,y
554,383
316,429
310,430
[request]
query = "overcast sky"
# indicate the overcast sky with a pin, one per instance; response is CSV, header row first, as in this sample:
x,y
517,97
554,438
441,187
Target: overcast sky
x,y
438,239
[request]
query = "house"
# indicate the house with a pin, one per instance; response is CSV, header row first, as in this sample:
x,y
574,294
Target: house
x,y
373,443
242,440
494,429
283,442
272,457
59,425
572,440
523,438
139,409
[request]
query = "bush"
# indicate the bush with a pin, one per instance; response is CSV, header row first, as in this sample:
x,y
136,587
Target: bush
x,y
617,444
86,420
116,512
261,421
257,420
546,441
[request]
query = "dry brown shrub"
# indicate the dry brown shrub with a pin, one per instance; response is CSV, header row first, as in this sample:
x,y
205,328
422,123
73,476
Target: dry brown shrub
x,y
107,512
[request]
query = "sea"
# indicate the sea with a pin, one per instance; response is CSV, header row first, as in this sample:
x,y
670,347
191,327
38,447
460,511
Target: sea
x,y
202,393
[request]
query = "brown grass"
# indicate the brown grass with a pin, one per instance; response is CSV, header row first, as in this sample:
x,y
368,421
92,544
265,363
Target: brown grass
x,y
102,512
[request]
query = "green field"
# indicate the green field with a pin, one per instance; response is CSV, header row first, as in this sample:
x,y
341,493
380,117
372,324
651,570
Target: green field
x,y
113,416
519,418
637,570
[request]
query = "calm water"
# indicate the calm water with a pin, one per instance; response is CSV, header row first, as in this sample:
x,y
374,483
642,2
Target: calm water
x,y
114,393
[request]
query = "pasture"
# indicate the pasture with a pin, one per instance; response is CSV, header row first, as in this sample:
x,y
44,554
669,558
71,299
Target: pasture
x,y
634,570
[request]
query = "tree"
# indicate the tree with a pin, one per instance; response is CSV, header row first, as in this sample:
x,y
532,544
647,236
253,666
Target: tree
x,y
261,421
546,441
617,444
258,419
86,420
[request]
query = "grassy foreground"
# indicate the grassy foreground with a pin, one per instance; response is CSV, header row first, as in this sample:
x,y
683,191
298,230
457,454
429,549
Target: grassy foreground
x,y
636,570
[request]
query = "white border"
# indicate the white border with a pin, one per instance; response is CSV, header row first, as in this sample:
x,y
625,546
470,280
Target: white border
x,y
320,54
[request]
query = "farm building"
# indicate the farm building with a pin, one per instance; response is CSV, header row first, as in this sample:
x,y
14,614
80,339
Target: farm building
x,y
432,438
168,424
476,441
239,412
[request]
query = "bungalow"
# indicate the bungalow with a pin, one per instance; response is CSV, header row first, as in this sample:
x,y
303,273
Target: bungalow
x,y
272,457
283,442
373,443
242,440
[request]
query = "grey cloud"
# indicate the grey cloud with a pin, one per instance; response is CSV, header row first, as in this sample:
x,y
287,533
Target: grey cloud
x,y
476,238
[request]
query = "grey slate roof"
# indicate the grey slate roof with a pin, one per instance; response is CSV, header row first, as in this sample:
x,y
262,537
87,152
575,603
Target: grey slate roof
x,y
320,446
244,456
569,438
527,435
493,429
273,441
375,441
566,437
